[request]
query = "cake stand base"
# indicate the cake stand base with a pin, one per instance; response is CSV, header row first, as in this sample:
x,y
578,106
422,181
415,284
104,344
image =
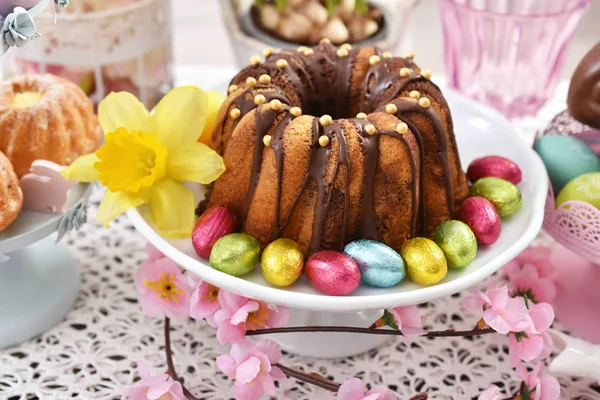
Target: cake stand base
x,y
334,344
38,286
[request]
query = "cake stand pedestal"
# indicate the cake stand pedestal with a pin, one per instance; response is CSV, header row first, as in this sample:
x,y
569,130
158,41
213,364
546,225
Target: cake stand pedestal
x,y
330,344
39,279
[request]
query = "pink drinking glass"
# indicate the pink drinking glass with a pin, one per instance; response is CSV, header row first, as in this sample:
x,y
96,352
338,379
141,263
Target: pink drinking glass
x,y
508,54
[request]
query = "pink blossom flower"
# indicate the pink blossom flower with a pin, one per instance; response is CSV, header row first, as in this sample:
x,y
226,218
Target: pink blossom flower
x,y
531,273
163,288
492,393
252,367
154,387
239,314
533,343
538,386
354,389
501,312
408,320
204,301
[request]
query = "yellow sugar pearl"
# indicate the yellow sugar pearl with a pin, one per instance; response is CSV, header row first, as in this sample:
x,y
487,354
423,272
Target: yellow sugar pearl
x,y
259,99
309,52
296,111
302,49
370,129
282,63
232,88
346,46
425,73
267,140
391,109
387,54
275,105
411,54
235,113
264,79
374,59
250,81
325,40
402,128
254,61
267,52
342,53
424,102
326,120
414,94
361,115
324,141
404,72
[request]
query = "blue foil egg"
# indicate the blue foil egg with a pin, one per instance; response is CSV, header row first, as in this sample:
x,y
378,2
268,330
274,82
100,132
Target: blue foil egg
x,y
379,265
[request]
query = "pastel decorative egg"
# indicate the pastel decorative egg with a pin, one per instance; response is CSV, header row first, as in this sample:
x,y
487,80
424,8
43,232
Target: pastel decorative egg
x,y
235,254
505,196
565,158
483,219
212,225
281,262
457,241
332,273
379,265
425,261
495,166
583,188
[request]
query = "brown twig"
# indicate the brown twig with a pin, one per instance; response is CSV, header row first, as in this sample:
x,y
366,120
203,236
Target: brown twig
x,y
369,331
170,365
313,378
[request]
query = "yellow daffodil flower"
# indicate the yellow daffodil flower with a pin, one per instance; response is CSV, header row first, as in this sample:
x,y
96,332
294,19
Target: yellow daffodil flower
x,y
145,158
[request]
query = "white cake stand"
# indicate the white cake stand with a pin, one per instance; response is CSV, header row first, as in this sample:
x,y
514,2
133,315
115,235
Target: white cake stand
x,y
480,131
39,279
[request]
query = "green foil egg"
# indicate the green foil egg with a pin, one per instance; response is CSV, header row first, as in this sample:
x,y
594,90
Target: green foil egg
x,y
505,196
457,241
236,254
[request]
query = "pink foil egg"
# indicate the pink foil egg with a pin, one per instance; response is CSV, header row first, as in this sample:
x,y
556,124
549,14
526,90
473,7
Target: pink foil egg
x,y
483,219
496,166
332,273
211,226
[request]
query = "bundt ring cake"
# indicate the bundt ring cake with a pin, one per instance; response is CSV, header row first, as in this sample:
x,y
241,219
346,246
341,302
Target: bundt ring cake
x,y
326,145
11,195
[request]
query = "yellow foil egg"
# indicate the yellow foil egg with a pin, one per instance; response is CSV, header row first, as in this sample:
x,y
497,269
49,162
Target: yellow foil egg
x,y
424,260
282,262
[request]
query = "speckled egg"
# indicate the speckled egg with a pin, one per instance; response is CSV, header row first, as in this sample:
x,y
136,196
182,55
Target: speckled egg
x,y
235,254
583,188
379,265
457,241
425,261
565,158
505,196
332,273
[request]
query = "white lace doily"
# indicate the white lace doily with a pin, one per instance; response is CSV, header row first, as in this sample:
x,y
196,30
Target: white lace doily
x,y
92,354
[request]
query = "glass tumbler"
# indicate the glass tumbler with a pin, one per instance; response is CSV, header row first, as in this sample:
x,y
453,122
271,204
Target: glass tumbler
x,y
508,54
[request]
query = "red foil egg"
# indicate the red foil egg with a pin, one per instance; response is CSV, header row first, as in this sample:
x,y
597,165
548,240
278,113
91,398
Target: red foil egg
x,y
211,226
496,166
332,273
483,219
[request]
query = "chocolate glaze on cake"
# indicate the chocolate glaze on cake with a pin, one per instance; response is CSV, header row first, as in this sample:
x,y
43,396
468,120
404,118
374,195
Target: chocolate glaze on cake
x,y
390,175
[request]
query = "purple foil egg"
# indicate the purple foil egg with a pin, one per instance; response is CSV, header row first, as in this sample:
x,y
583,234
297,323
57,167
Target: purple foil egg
x,y
483,219
495,166
332,273
211,226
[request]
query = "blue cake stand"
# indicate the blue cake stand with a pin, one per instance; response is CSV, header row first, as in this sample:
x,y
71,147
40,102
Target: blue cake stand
x,y
39,279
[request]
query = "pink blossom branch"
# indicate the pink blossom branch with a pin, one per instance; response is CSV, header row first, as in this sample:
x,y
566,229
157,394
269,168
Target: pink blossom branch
x,y
369,331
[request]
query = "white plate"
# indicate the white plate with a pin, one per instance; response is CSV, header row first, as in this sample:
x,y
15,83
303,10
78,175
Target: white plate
x,y
480,131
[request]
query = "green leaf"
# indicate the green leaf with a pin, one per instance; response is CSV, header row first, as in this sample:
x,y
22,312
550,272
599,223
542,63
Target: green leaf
x,y
281,5
389,320
361,7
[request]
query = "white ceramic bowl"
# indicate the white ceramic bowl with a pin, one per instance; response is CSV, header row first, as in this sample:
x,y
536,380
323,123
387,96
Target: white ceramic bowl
x,y
480,131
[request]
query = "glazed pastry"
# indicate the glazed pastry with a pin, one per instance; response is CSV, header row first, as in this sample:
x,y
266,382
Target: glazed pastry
x,y
326,145
44,117
584,91
11,196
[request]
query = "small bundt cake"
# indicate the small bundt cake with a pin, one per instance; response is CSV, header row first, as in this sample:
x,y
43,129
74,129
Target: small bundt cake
x,y
11,196
378,160
45,117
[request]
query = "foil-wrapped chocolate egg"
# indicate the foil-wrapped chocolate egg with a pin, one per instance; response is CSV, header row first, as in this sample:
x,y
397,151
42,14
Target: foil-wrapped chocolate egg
x,y
281,262
332,273
235,254
425,261
457,241
495,166
212,225
483,219
505,196
379,265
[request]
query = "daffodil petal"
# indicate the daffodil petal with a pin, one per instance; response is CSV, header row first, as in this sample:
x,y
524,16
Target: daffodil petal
x,y
180,116
172,206
124,110
82,169
116,203
195,162
215,101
